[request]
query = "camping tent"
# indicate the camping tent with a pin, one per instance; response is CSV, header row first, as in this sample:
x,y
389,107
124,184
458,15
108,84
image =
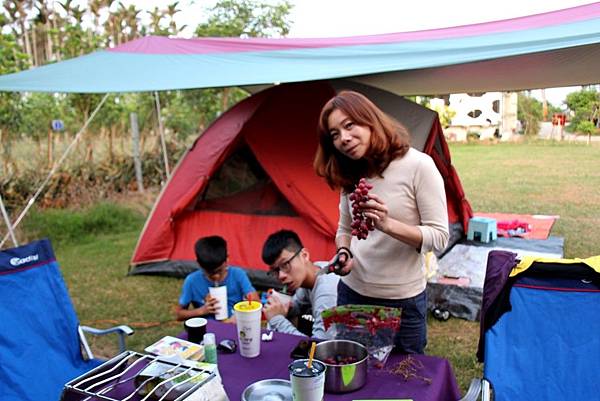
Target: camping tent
x,y
250,174
558,48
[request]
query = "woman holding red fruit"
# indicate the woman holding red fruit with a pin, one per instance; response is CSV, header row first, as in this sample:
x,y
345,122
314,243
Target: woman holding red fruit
x,y
392,211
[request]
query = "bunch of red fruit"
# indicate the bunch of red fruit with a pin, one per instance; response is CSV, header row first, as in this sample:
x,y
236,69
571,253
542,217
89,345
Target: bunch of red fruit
x,y
360,225
340,360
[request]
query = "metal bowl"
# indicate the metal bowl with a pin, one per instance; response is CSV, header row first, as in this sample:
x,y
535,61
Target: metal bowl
x,y
268,390
347,377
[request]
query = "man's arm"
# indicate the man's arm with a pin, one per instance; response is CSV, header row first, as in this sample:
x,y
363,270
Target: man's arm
x,y
276,313
281,325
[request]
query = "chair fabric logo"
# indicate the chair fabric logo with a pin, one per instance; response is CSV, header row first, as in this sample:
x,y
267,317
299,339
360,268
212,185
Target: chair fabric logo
x,y
22,261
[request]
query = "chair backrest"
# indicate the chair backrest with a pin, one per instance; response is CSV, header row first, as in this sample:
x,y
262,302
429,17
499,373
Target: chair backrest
x,y
545,341
39,341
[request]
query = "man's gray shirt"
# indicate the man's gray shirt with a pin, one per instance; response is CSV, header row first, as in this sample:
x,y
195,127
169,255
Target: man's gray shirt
x,y
323,296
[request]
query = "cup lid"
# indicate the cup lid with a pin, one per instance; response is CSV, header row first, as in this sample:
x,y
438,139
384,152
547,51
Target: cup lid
x,y
245,306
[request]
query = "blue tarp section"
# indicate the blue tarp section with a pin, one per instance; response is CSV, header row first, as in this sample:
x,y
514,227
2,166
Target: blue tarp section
x,y
39,343
547,56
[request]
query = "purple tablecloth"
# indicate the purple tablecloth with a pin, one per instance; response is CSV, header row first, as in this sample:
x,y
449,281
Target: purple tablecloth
x,y
238,372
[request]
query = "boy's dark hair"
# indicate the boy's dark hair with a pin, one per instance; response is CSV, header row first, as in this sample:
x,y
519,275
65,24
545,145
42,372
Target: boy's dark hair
x,y
211,252
277,242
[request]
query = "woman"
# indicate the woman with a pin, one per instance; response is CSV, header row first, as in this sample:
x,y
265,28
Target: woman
x,y
406,205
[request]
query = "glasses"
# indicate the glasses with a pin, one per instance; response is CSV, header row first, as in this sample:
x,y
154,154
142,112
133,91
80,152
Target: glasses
x,y
285,266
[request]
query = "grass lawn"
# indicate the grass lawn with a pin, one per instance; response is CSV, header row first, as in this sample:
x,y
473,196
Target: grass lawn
x,y
534,178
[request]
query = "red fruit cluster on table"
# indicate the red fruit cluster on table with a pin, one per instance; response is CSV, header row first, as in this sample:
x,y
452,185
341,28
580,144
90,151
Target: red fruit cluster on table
x,y
340,360
360,225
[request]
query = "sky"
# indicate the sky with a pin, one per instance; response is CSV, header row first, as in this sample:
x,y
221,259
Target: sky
x,y
331,18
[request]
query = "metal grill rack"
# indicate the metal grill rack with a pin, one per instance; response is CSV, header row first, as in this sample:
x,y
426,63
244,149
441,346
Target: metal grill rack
x,y
137,377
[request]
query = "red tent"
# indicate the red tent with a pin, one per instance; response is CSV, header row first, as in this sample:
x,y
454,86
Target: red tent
x,y
250,174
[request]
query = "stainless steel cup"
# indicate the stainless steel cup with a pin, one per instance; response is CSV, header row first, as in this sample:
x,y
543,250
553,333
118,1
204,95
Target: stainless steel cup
x,y
343,378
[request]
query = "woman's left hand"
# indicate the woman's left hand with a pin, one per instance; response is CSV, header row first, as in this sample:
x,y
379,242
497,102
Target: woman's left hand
x,y
377,211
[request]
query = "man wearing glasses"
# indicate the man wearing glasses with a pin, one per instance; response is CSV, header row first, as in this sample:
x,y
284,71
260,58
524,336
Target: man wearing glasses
x,y
315,290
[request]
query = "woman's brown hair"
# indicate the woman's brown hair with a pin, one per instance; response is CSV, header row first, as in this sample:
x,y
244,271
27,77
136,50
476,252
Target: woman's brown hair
x,y
389,140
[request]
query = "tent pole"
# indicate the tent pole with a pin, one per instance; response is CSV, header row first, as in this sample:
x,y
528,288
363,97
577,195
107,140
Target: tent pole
x,y
55,167
162,134
8,224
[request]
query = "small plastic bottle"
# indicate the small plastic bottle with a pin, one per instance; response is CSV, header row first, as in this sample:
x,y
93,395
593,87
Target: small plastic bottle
x,y
210,348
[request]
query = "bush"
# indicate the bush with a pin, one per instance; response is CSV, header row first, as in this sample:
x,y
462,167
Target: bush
x,y
63,225
586,128
473,136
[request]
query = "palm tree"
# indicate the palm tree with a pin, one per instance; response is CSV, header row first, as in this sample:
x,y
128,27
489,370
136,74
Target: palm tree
x,y
155,17
44,17
171,11
132,21
18,13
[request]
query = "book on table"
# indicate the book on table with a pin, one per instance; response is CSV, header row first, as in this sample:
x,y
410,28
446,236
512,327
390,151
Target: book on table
x,y
169,347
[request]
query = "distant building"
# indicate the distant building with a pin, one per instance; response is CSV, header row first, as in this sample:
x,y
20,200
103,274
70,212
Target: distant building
x,y
480,115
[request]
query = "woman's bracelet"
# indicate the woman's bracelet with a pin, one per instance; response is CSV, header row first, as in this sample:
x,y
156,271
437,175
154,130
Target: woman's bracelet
x,y
346,249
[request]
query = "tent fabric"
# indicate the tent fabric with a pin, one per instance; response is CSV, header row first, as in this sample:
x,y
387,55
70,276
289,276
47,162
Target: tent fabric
x,y
279,126
39,341
550,49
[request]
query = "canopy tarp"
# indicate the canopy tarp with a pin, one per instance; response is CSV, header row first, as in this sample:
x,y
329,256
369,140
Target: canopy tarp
x,y
558,48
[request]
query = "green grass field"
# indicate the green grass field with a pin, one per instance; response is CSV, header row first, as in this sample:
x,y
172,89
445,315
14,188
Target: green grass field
x,y
533,178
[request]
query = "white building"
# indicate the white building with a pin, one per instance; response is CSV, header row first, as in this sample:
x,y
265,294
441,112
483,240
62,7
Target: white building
x,y
484,115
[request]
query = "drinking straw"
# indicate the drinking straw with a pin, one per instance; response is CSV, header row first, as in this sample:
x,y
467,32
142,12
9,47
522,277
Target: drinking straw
x,y
311,354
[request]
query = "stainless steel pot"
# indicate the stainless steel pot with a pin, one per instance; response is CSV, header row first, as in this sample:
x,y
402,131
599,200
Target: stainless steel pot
x,y
347,377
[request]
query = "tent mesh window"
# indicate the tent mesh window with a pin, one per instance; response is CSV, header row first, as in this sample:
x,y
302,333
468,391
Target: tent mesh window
x,y
241,185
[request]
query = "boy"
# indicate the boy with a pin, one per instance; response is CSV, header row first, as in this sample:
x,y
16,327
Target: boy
x,y
195,300
316,290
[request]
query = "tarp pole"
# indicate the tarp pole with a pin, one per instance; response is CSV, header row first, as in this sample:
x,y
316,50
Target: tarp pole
x,y
135,142
8,223
162,135
55,167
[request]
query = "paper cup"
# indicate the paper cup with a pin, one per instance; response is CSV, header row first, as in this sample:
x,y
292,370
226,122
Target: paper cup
x,y
195,328
220,293
283,298
247,320
307,384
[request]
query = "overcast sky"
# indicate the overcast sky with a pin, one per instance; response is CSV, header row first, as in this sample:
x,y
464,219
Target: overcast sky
x,y
329,18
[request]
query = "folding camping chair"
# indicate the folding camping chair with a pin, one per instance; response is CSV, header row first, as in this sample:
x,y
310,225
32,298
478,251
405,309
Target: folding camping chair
x,y
41,342
540,326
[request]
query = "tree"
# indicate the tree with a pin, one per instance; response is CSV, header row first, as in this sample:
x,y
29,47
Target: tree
x,y
11,60
529,112
585,104
236,18
246,18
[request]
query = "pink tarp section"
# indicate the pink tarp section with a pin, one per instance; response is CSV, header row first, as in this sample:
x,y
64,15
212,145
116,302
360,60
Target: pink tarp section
x,y
163,45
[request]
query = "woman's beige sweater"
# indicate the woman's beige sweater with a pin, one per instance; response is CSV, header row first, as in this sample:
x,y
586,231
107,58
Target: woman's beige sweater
x,y
384,267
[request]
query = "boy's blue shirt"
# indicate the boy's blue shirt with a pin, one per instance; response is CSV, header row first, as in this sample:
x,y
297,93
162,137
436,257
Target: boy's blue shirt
x,y
195,288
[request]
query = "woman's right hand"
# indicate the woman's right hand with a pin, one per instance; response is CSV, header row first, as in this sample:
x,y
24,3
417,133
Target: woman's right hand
x,y
341,263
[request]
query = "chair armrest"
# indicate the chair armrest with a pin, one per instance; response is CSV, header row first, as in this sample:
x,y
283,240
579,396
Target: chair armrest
x,y
126,330
473,392
121,331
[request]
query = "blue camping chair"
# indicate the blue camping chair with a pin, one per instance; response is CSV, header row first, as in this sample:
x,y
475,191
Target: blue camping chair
x,y
540,330
41,342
